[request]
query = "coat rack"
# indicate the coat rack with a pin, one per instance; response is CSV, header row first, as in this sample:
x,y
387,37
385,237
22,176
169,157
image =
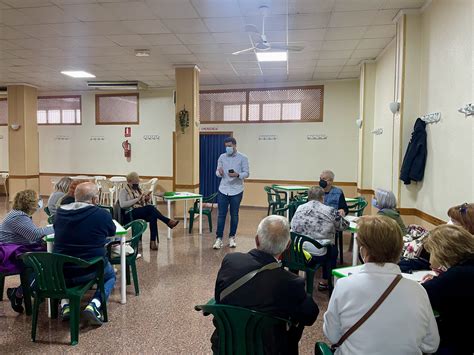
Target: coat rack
x,y
468,110
378,131
431,117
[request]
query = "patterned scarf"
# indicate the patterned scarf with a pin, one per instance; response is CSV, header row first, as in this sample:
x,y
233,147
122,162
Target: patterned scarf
x,y
132,193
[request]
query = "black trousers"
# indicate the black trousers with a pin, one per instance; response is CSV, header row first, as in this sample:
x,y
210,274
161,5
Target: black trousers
x,y
150,214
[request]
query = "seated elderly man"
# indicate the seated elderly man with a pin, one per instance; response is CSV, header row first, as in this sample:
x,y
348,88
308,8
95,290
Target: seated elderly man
x,y
320,222
81,230
333,196
274,290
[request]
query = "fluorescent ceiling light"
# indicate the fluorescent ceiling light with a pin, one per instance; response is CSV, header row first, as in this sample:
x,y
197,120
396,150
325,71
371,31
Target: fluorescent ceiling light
x,y
272,56
78,74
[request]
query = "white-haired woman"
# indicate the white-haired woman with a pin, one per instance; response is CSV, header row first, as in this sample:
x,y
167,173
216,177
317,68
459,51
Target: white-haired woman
x,y
386,203
60,190
132,196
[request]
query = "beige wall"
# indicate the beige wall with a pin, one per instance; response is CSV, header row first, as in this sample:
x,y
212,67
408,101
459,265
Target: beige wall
x,y
81,155
382,171
446,84
367,97
292,156
3,148
435,72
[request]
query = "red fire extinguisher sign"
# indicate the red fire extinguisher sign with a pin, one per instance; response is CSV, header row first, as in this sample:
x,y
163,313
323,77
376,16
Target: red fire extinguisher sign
x,y
128,131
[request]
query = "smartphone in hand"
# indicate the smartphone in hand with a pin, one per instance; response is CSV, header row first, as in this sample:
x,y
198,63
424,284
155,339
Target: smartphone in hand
x,y
231,171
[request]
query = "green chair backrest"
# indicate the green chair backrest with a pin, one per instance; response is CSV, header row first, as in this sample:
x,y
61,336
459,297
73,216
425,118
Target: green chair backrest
x,y
272,195
294,257
47,211
207,199
358,207
241,330
48,269
322,349
138,228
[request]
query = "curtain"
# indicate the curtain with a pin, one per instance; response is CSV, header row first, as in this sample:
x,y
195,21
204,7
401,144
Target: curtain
x,y
211,147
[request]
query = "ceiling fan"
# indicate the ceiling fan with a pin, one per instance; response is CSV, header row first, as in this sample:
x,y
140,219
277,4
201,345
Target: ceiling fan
x,y
262,44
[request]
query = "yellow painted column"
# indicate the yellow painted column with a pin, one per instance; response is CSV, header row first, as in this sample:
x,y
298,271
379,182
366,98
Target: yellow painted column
x,y
23,152
186,140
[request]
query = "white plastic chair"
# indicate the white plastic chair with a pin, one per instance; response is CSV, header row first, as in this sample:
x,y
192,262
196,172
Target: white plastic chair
x,y
118,182
107,193
3,181
150,186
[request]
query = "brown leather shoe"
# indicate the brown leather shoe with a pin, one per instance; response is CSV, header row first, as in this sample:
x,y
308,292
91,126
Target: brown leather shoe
x,y
153,245
172,223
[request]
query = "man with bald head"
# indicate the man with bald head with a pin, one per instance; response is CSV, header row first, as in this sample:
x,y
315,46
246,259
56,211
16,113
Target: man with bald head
x,y
271,290
81,230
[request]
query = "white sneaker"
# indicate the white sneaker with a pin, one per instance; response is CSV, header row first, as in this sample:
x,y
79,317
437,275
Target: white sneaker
x,y
218,244
232,243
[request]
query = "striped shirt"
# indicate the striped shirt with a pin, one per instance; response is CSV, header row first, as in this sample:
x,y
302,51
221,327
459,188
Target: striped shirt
x,y
18,228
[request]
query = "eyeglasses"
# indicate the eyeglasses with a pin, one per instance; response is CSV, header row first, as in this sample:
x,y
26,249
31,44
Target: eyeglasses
x,y
463,208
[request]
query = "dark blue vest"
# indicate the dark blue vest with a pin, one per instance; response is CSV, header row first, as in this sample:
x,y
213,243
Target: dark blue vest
x,y
332,197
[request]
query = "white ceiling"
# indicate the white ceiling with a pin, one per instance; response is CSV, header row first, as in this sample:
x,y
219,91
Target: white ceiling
x,y
39,38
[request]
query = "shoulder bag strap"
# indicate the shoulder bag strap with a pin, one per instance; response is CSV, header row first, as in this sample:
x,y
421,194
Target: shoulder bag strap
x,y
246,278
369,312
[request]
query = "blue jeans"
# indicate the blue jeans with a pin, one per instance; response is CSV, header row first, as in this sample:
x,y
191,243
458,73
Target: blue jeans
x,y
109,281
223,202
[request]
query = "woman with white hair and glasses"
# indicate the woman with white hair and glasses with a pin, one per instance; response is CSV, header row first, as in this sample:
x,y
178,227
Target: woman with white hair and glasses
x,y
386,203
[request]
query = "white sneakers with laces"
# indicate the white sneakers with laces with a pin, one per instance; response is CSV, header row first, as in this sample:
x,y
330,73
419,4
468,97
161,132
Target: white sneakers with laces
x,y
218,244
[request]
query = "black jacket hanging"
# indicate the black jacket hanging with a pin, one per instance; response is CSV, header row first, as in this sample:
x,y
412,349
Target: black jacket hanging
x,y
413,167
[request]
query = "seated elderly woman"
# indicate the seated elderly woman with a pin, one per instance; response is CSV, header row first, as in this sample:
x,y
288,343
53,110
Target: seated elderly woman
x,y
386,203
462,215
132,196
320,222
18,235
60,190
404,322
69,196
451,293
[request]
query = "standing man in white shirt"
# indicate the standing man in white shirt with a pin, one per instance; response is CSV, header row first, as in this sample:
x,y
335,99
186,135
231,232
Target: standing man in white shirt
x,y
233,168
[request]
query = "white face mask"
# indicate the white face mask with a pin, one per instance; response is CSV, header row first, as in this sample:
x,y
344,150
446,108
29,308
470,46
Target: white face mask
x,y
40,204
450,221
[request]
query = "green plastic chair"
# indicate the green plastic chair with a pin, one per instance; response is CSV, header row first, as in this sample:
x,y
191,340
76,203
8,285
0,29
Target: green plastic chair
x,y
47,211
295,259
138,228
50,283
205,211
321,348
292,207
274,199
240,329
357,208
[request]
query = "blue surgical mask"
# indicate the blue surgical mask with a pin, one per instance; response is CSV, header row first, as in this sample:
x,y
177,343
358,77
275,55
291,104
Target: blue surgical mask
x,y
229,150
374,203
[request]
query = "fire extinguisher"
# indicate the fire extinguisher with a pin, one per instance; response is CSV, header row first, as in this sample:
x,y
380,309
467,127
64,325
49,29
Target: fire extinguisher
x,y
127,149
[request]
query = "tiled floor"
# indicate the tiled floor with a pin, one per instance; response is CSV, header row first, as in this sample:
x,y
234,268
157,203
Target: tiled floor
x,y
162,319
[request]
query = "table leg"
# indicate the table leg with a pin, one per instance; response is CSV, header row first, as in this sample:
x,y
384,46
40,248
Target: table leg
x,y
185,214
200,216
288,204
355,251
169,216
123,279
49,249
